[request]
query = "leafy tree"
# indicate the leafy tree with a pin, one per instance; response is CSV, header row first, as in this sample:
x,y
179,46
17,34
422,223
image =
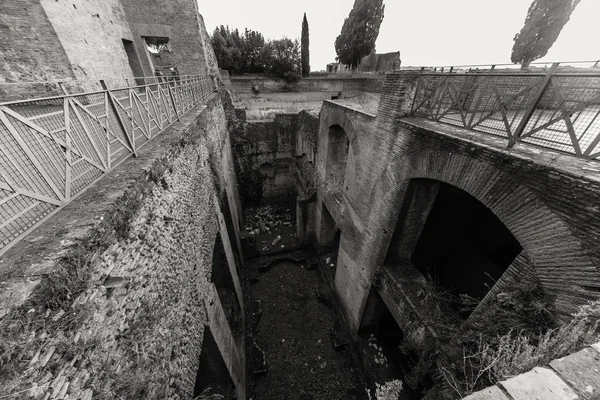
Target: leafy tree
x,y
545,19
305,51
250,53
283,58
359,32
254,42
227,49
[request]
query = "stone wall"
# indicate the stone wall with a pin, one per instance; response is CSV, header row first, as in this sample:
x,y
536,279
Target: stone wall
x,y
305,156
275,96
119,280
82,41
266,147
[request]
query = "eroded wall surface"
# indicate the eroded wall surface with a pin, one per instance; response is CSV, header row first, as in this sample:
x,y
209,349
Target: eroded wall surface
x,y
29,51
264,97
82,41
91,32
141,240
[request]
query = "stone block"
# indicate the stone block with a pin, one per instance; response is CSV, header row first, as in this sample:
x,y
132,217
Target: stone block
x,y
539,384
582,371
491,393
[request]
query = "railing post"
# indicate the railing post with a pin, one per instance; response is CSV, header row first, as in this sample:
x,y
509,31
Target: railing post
x,y
114,109
531,109
173,100
62,87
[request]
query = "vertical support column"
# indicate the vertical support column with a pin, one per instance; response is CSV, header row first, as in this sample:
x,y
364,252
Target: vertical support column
x,y
413,215
326,228
300,228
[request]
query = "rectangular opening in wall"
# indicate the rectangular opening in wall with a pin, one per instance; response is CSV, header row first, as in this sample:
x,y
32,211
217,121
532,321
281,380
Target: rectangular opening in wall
x,y
134,61
221,277
161,55
231,232
212,378
386,354
329,242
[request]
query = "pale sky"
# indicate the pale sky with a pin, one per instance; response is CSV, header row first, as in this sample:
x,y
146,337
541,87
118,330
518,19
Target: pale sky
x,y
426,32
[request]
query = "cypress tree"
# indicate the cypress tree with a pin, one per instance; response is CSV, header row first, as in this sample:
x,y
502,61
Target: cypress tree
x,y
545,19
305,48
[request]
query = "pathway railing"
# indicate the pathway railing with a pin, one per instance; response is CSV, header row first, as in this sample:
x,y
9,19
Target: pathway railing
x,y
549,108
52,148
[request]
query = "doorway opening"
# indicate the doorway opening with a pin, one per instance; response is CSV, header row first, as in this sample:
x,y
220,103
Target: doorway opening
x,y
134,61
384,352
223,281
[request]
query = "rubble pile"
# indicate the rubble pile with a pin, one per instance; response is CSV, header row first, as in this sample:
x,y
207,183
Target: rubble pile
x,y
265,219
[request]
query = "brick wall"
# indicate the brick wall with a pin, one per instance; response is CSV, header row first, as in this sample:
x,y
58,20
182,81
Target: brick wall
x,y
91,32
60,40
136,330
330,84
542,197
29,51
269,142
180,21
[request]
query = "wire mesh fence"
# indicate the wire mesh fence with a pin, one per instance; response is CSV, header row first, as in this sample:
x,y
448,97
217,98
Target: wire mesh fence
x,y
51,149
553,109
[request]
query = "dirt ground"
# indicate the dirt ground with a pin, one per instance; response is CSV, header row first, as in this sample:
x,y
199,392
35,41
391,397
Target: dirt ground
x,y
295,332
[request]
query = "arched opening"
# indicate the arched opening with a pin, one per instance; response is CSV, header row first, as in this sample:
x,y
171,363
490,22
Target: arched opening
x,y
452,239
337,157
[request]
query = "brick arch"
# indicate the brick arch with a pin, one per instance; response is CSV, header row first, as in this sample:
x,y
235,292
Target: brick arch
x,y
345,122
556,255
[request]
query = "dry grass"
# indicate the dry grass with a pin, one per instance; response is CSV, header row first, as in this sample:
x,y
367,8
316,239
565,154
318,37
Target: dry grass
x,y
517,352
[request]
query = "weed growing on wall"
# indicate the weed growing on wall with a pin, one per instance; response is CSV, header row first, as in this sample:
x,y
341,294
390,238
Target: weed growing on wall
x,y
524,335
519,351
46,322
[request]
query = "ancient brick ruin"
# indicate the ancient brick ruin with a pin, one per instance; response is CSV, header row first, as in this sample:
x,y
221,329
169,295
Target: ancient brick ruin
x,y
169,231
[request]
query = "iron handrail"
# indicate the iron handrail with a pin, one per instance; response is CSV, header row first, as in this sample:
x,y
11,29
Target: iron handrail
x,y
552,109
53,148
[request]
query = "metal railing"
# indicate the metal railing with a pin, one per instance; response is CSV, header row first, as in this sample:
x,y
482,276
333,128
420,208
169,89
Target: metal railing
x,y
554,109
52,148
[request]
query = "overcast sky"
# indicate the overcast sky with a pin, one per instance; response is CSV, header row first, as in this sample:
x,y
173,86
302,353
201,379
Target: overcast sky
x,y
426,32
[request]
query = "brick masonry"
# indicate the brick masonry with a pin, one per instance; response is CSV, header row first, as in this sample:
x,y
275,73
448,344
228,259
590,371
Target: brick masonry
x,y
152,323
29,50
81,42
91,33
547,200
180,21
